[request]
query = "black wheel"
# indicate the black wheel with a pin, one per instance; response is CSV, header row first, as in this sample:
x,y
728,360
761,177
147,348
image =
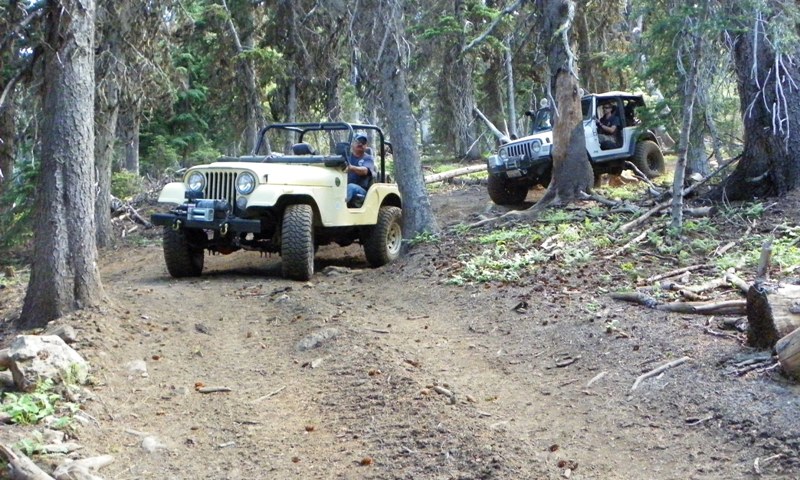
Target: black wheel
x,y
383,241
648,158
505,192
297,242
183,252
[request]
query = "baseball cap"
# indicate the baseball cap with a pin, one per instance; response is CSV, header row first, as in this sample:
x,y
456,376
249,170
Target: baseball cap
x,y
360,138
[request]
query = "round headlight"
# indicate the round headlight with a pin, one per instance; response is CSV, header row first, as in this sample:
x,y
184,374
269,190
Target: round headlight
x,y
536,147
245,183
196,182
503,154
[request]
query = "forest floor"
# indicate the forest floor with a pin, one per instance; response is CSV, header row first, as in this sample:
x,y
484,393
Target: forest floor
x,y
350,375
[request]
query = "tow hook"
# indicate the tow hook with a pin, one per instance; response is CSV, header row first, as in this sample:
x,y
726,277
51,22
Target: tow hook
x,y
224,229
177,225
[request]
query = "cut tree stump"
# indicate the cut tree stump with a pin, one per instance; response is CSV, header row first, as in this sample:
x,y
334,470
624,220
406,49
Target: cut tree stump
x,y
788,350
772,314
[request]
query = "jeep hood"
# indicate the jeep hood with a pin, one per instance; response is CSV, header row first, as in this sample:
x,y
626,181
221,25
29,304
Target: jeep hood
x,y
315,175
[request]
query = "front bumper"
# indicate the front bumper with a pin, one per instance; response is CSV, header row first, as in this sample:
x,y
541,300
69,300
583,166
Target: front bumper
x,y
517,166
227,224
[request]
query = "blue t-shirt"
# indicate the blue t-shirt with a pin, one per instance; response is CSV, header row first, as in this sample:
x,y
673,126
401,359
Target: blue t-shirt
x,y
365,161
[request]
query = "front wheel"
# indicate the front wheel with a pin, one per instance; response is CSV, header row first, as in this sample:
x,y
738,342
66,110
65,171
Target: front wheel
x,y
183,252
383,241
505,192
297,242
649,159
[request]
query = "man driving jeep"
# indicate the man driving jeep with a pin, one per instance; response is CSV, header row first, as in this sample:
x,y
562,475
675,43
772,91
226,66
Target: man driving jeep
x,y
361,169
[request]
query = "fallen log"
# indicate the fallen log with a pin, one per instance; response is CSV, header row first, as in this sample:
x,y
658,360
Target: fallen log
x,y
730,307
788,350
21,467
772,315
438,177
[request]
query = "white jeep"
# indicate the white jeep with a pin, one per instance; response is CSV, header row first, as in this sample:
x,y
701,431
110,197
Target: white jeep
x,y
289,203
526,162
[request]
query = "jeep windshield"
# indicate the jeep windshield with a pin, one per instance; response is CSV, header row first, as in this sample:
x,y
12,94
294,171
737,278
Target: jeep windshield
x,y
326,139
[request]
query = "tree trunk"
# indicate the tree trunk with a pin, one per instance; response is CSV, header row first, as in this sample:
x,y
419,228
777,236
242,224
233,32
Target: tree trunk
x,y
511,93
128,131
106,109
7,136
254,117
788,350
64,274
456,95
391,83
690,95
770,106
772,314
457,102
572,172
696,157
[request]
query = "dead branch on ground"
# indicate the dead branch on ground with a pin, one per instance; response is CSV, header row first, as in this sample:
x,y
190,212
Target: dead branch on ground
x,y
656,371
730,307
21,467
666,203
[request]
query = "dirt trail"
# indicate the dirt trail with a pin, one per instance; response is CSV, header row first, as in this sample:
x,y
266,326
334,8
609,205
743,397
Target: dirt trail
x,y
362,404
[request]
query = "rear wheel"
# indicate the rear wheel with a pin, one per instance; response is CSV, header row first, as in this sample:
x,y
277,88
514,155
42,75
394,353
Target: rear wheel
x,y
383,241
183,252
648,158
505,192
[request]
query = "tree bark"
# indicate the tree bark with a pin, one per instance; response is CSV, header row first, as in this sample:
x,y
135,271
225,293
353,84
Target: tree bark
x,y
456,94
788,350
111,25
770,106
254,117
572,172
7,137
390,73
772,315
690,95
64,274
511,92
128,129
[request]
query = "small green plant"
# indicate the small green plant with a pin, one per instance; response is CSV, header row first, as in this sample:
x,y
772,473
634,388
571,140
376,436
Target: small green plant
x,y
556,216
30,446
625,192
523,234
630,270
424,237
125,185
497,264
29,408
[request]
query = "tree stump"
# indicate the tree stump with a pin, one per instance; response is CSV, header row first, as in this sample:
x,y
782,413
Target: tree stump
x,y
772,314
788,350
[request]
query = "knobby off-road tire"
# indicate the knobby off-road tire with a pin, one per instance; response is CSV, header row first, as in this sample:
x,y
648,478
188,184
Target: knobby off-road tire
x,y
648,158
182,259
383,241
505,192
297,242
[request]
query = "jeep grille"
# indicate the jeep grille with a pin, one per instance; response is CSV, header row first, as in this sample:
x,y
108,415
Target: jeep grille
x,y
520,149
220,186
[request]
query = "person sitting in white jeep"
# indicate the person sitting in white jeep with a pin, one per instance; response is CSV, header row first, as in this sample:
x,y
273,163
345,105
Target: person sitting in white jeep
x,y
361,171
609,128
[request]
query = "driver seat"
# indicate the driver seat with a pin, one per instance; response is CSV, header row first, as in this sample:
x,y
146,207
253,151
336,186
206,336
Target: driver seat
x,y
303,149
